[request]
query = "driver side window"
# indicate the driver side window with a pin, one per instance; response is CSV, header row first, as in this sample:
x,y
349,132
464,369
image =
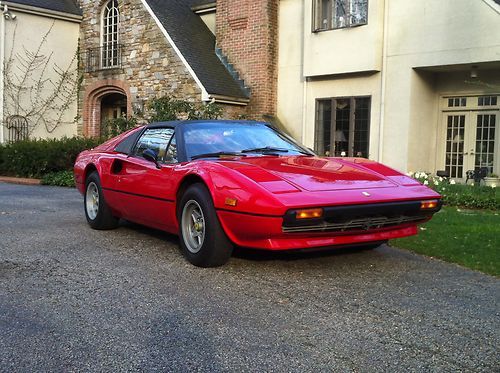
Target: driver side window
x,y
156,139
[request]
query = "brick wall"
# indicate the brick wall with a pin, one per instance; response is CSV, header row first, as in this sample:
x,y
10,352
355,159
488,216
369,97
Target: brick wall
x,y
247,33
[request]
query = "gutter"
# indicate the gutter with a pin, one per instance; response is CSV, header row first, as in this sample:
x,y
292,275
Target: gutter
x,y
230,100
2,80
42,12
205,8
383,79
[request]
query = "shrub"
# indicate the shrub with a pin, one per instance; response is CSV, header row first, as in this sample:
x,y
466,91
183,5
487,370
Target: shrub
x,y
461,195
166,108
60,178
35,158
113,127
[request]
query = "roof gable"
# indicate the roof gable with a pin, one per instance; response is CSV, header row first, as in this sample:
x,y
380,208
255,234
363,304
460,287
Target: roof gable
x,y
196,43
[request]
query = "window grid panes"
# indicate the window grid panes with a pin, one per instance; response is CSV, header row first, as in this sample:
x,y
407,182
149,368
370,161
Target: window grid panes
x,y
457,101
342,127
110,48
361,132
485,141
333,14
455,136
487,101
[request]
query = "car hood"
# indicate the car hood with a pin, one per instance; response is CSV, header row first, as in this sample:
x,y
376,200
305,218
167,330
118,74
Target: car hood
x,y
310,173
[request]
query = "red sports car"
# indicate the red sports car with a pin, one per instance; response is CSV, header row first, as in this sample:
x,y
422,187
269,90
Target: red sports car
x,y
224,183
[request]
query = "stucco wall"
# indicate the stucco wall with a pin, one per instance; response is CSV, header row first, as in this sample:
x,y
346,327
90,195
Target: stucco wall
x,y
23,36
422,46
345,50
290,96
430,48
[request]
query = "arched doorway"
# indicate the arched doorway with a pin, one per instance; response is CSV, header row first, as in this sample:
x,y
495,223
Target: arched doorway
x,y
113,106
104,100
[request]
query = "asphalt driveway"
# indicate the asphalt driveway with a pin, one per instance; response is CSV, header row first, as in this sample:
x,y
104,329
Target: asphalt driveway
x,y
75,299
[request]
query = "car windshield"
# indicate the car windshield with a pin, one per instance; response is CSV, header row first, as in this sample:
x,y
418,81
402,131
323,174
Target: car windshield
x,y
237,138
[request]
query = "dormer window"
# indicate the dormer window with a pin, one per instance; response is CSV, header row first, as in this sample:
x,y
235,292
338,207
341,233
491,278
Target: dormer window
x,y
110,56
334,14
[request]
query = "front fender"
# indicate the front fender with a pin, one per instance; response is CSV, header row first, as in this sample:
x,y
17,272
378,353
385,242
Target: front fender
x,y
225,183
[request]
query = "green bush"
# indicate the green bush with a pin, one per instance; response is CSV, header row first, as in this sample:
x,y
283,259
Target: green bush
x,y
167,108
60,178
35,158
113,127
477,197
460,195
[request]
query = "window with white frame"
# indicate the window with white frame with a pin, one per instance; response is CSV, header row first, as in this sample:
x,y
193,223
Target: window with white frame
x,y
334,14
110,55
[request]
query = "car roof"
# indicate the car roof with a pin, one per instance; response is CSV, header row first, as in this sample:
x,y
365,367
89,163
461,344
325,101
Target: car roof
x,y
178,123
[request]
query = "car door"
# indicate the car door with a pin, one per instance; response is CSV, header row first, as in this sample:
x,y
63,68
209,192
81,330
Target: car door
x,y
146,188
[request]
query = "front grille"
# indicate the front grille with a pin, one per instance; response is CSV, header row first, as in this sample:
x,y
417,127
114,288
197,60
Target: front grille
x,y
356,224
364,217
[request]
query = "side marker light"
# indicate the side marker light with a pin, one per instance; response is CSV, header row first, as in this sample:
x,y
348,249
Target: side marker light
x,y
231,201
427,205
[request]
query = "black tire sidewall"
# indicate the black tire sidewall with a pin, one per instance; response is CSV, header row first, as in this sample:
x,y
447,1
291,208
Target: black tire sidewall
x,y
103,219
216,248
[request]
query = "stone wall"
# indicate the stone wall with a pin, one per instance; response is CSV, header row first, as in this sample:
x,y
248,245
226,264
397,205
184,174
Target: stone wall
x,y
150,67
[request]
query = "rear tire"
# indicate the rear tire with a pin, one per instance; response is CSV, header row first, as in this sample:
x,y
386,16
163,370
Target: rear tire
x,y
202,239
97,212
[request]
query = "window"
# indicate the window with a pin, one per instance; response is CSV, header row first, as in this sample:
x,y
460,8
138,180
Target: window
x,y
157,140
342,126
487,101
333,14
110,51
457,101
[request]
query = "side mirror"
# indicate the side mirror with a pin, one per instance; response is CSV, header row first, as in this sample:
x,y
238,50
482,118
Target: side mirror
x,y
150,155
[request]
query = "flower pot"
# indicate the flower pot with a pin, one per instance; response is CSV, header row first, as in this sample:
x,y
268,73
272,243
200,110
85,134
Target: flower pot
x,y
492,182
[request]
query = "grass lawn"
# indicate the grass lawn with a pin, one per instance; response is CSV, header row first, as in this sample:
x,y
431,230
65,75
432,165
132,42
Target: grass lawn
x,y
467,237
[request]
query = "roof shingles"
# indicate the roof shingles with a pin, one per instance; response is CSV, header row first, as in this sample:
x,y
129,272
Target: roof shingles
x,y
64,6
197,45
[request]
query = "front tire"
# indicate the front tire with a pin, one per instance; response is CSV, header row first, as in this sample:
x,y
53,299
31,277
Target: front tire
x,y
97,212
202,239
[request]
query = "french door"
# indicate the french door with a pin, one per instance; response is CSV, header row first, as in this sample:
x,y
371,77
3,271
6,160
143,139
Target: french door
x,y
471,141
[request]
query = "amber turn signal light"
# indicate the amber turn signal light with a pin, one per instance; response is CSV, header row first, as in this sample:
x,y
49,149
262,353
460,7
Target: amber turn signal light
x,y
427,205
309,214
231,201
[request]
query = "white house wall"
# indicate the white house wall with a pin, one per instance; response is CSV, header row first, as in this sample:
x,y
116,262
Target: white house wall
x,y
431,48
62,41
290,106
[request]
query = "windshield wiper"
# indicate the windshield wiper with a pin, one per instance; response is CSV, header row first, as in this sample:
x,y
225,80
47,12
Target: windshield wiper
x,y
265,150
218,154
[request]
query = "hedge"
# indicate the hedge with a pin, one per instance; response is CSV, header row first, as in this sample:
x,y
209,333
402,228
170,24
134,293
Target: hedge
x,y
461,195
36,158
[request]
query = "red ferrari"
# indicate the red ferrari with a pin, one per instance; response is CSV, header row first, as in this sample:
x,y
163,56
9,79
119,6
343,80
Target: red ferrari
x,y
223,183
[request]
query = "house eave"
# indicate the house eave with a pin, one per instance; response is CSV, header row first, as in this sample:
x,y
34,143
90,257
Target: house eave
x,y
229,100
42,12
205,8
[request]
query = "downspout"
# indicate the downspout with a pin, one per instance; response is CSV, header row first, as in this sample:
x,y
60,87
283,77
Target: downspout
x,y
304,84
2,65
383,82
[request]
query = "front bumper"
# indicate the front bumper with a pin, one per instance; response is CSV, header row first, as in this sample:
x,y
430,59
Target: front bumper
x,y
266,232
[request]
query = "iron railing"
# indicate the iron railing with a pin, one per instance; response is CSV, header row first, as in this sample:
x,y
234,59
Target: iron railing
x,y
17,128
103,58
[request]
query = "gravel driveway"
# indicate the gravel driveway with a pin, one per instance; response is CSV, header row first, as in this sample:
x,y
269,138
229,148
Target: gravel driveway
x,y
75,299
